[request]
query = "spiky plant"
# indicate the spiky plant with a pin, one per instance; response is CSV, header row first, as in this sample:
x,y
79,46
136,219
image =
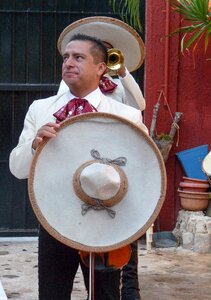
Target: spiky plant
x,y
197,14
129,11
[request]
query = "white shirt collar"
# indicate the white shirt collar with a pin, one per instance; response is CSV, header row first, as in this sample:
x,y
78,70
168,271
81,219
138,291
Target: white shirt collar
x,y
93,98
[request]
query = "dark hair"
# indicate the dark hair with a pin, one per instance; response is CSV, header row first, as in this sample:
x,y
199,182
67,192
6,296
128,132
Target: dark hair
x,y
98,49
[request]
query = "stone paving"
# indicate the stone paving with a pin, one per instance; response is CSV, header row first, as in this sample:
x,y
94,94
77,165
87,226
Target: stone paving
x,y
164,273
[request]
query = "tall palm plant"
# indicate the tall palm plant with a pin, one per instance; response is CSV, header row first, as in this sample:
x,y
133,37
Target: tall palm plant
x,y
197,14
129,11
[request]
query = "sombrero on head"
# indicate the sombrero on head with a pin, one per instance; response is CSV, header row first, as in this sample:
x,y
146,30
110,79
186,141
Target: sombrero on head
x,y
113,31
127,192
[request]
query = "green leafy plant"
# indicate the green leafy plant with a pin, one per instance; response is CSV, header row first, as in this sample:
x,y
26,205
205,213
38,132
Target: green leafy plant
x,y
129,11
197,14
164,137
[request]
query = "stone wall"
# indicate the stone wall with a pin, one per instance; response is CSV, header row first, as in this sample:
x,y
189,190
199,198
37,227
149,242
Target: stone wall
x,y
193,231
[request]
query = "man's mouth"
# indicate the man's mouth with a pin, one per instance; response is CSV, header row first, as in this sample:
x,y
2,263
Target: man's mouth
x,y
70,74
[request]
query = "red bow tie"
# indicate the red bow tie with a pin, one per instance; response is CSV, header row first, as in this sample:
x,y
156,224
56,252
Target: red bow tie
x,y
106,85
74,107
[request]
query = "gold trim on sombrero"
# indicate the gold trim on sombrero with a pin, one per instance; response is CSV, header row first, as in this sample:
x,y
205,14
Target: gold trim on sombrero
x,y
116,32
92,201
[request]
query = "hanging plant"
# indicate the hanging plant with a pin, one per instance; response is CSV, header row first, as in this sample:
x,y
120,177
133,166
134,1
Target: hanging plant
x,y
198,14
164,141
164,137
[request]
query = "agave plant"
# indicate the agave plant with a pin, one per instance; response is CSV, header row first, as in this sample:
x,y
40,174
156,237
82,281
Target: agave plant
x,y
129,11
197,14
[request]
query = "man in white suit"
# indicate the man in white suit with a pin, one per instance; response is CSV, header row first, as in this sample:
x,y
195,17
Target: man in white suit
x,y
123,88
84,63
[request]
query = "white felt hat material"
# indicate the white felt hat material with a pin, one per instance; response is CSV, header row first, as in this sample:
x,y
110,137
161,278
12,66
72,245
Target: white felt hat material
x,y
106,185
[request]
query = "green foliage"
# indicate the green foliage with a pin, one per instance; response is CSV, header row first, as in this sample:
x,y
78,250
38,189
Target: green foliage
x,y
198,15
129,11
164,137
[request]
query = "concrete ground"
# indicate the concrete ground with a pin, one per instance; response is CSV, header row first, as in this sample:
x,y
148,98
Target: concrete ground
x,y
164,273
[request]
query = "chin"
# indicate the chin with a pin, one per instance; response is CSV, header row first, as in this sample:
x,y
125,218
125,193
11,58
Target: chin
x,y
73,85
71,81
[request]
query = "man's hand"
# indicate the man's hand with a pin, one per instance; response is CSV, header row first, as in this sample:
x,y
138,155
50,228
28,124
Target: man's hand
x,y
121,71
48,130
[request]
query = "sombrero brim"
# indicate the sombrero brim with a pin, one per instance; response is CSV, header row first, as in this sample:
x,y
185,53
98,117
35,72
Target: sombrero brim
x,y
119,34
55,202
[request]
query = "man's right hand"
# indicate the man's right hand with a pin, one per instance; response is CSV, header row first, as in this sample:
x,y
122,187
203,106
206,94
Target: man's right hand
x,y
48,130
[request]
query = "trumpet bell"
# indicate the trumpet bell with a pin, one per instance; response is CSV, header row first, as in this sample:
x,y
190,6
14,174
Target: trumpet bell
x,y
115,59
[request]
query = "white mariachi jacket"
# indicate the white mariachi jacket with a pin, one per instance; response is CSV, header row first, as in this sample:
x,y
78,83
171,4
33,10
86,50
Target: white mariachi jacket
x,y
41,112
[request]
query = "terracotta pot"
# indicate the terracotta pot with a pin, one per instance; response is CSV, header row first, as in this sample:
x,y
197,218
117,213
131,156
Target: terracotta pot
x,y
194,186
194,180
193,201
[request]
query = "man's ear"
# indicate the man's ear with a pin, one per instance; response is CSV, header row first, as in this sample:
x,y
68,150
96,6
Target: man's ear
x,y
101,69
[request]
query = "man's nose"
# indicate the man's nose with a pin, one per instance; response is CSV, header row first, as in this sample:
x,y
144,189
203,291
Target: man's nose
x,y
69,61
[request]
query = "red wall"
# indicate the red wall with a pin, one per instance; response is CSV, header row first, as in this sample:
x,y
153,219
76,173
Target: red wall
x,y
187,89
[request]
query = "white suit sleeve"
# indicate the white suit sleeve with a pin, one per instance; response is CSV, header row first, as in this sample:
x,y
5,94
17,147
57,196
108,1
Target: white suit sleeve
x,y
133,93
21,156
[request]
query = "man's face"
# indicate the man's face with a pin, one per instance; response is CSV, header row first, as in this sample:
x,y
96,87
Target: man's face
x,y
79,70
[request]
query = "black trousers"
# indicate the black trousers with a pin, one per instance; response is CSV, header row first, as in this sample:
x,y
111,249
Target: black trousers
x,y
129,276
57,267
130,284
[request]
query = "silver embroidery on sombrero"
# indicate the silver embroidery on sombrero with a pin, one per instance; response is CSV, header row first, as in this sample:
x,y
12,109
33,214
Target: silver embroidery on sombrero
x,y
120,161
97,206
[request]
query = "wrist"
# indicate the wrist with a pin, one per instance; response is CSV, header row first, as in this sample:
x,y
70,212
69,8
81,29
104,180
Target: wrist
x,y
122,72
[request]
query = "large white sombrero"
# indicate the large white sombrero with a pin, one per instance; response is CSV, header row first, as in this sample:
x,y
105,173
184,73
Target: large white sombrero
x,y
135,199
117,33
206,164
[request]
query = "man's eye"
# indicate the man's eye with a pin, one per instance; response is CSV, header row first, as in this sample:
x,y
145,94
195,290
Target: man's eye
x,y
79,57
65,58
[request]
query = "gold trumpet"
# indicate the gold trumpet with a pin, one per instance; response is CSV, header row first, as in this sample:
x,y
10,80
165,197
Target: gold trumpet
x,y
115,59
